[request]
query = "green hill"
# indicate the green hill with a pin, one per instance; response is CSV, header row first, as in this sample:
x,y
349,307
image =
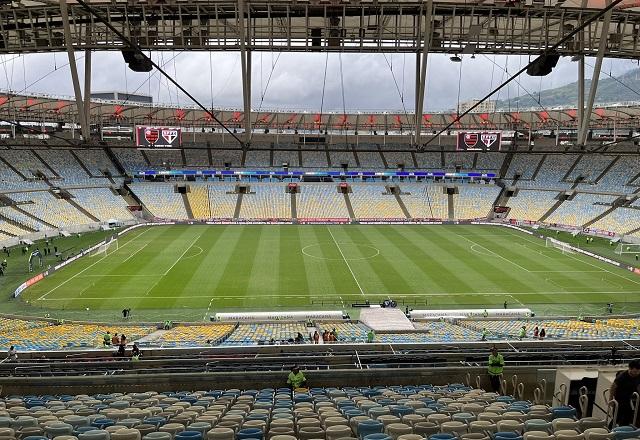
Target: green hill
x,y
626,87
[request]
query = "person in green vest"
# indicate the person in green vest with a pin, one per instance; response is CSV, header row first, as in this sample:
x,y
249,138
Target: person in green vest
x,y
485,333
523,333
296,378
495,369
106,339
371,335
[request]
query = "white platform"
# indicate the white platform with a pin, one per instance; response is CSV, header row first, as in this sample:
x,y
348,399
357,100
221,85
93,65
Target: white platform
x,y
381,319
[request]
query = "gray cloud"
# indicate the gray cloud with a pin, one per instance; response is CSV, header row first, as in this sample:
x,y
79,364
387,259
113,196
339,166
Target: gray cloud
x,y
297,80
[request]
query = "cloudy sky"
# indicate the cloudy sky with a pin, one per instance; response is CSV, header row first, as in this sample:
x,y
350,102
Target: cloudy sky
x,y
295,80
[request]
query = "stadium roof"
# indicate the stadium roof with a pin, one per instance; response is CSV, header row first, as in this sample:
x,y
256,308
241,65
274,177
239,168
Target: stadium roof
x,y
41,108
491,26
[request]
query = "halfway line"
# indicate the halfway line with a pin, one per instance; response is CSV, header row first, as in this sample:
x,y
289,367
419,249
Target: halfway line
x,y
346,262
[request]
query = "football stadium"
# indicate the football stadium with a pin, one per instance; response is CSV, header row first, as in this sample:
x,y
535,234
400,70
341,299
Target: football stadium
x,y
227,243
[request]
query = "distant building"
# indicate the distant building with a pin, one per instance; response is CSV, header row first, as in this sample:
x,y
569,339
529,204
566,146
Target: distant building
x,y
123,96
485,107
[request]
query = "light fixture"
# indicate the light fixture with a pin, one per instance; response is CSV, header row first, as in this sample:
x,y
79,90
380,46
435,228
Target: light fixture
x,y
455,59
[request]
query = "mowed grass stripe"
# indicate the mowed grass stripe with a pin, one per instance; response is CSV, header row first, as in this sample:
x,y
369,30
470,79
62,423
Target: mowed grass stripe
x,y
237,274
424,252
334,277
191,273
292,270
265,271
485,273
211,271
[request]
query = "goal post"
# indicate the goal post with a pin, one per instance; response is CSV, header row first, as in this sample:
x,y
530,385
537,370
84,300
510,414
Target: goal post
x,y
105,248
627,248
565,248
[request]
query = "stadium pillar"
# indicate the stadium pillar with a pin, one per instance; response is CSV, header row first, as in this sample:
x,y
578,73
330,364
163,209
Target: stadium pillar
x,y
64,13
604,37
580,91
581,36
245,64
426,44
87,88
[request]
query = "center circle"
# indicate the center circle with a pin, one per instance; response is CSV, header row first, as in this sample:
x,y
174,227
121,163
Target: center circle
x,y
346,249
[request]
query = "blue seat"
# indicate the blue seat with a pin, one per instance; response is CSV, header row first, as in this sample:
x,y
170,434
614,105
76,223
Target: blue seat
x,y
249,433
368,427
624,432
103,423
155,421
442,436
188,435
563,412
400,410
377,437
507,434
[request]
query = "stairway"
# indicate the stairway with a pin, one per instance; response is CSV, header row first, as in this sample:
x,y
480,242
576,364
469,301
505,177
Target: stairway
x,y
347,201
601,216
385,319
551,210
28,214
75,156
146,158
18,224
12,168
46,165
294,206
82,210
606,170
115,161
236,212
451,210
187,206
404,209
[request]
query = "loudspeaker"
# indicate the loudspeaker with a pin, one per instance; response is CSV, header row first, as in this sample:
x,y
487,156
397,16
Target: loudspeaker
x,y
543,65
136,61
344,166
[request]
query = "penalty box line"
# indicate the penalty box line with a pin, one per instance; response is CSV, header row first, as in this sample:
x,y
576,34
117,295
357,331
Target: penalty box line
x,y
91,265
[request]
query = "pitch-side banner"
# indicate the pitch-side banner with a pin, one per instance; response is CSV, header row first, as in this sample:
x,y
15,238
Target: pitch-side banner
x,y
479,141
158,137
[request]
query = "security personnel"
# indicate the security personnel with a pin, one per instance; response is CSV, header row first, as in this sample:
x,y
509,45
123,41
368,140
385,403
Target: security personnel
x,y
495,368
296,378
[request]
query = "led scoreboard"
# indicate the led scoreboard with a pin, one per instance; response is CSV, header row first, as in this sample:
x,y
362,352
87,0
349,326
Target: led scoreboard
x,y
479,141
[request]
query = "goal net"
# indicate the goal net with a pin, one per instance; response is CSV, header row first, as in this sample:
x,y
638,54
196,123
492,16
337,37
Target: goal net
x,y
560,245
105,248
627,248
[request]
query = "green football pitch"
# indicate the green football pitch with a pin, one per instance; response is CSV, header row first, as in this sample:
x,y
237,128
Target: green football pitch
x,y
199,269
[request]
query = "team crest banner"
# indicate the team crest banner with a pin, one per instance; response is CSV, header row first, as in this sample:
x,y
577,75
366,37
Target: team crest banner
x,y
479,141
158,137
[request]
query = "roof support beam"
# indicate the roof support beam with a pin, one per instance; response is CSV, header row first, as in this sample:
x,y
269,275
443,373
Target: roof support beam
x,y
74,71
604,37
426,44
580,113
87,88
245,65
